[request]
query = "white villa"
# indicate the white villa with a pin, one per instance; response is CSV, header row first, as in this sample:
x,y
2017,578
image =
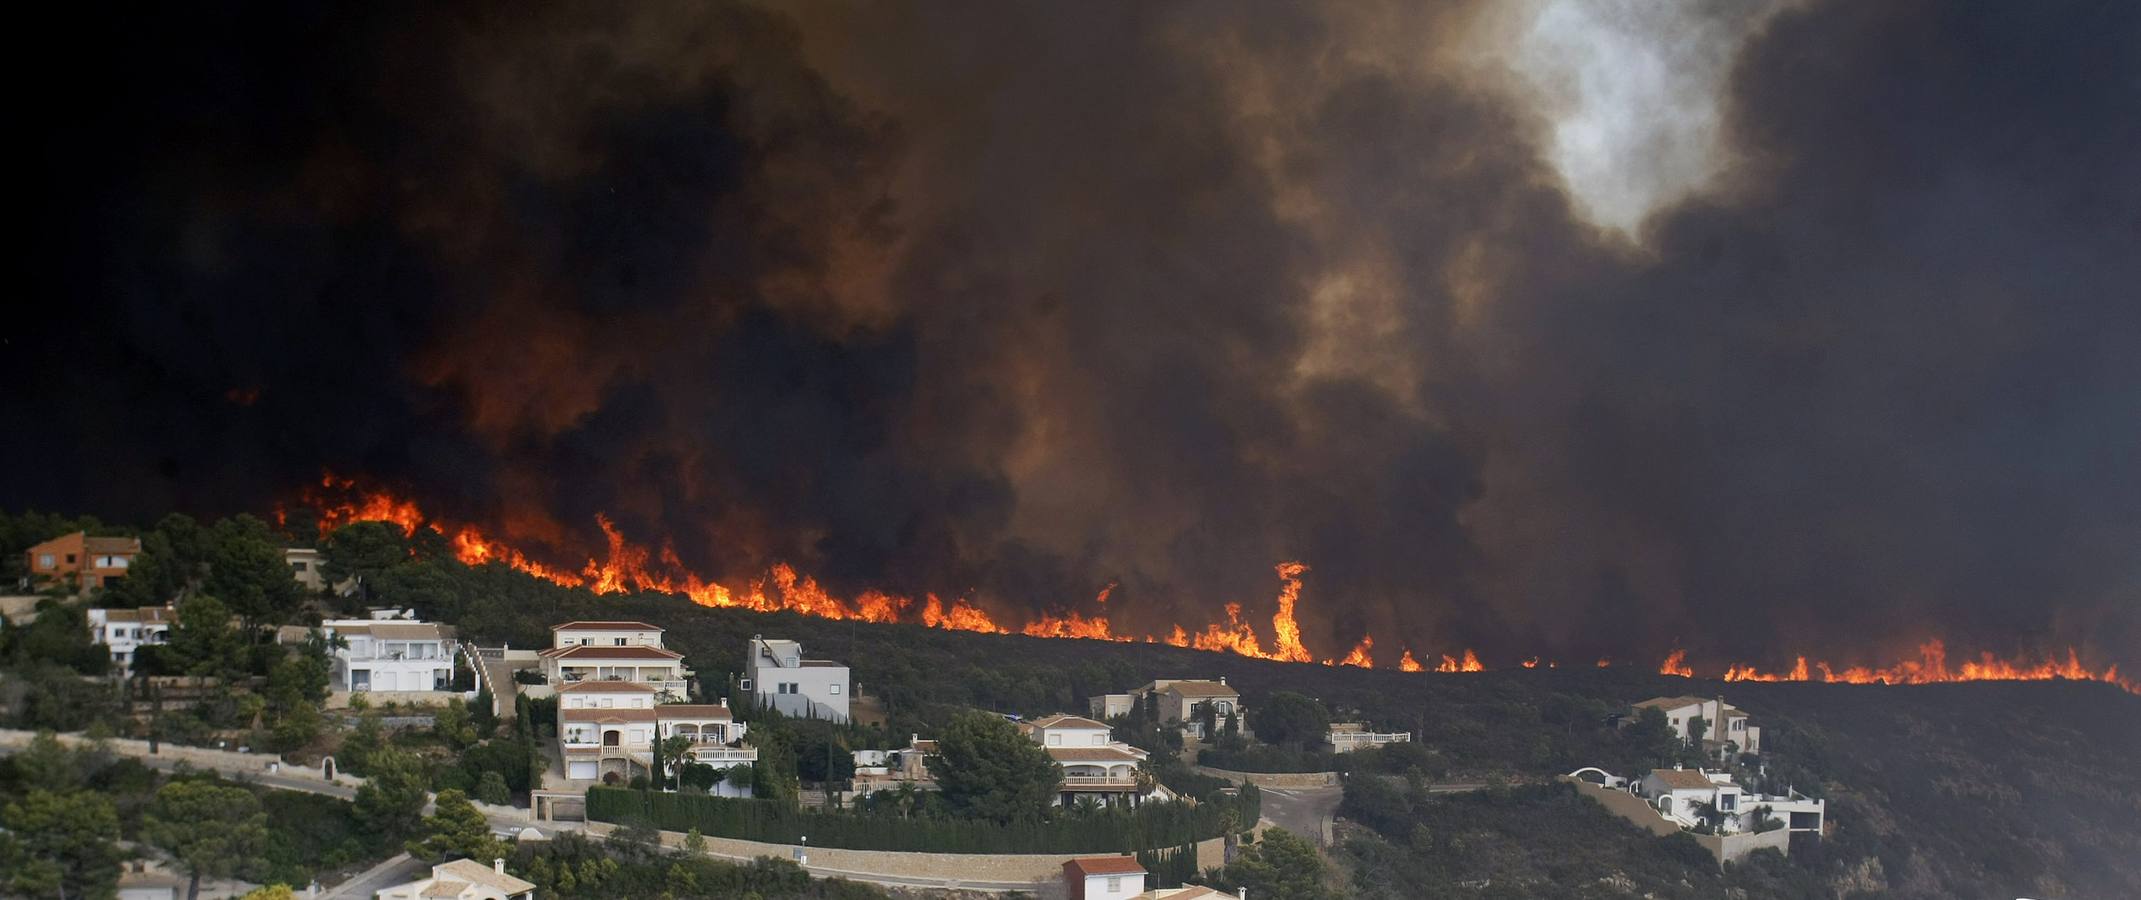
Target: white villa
x,y
881,770
463,879
1684,796
125,630
607,730
1735,730
1178,701
1346,737
614,651
391,654
777,673
1093,764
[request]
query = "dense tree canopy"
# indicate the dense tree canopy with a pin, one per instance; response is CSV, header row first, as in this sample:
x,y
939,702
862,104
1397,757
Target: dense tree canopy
x,y
212,829
988,770
1291,719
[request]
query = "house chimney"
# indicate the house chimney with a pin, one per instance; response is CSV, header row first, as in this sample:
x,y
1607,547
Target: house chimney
x,y
498,865
1223,680
1241,893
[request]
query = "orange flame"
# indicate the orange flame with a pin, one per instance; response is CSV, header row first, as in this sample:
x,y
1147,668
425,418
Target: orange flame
x,y
626,567
1676,664
1470,663
1360,655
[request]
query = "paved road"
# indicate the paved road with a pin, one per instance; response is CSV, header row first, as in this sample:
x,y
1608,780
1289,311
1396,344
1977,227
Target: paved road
x,y
399,869
1308,811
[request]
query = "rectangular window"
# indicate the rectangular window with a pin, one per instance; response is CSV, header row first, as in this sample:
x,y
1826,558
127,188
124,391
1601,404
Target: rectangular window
x,y
745,684
620,641
1115,884
297,567
1055,740
835,690
1100,740
70,559
44,560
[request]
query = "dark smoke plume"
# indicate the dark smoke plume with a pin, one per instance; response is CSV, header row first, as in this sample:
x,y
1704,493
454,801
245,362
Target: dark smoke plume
x,y
1026,299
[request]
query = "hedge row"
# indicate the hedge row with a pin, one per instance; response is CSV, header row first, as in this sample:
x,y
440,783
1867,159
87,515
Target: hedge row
x,y
1150,826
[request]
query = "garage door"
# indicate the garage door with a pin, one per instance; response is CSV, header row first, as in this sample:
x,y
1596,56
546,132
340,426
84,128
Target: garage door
x,y
580,771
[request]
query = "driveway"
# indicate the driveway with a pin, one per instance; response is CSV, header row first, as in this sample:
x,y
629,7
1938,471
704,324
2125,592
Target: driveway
x,y
1305,811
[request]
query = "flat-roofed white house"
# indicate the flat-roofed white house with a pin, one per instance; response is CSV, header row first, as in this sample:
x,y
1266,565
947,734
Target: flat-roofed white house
x,y
879,770
1346,737
778,674
1686,795
1094,764
607,730
463,879
391,655
1723,723
124,631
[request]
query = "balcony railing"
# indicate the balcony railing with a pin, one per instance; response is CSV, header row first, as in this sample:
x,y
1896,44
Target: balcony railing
x,y
1100,780
719,754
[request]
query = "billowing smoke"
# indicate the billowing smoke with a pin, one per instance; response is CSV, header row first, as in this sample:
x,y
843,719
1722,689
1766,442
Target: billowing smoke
x,y
1839,349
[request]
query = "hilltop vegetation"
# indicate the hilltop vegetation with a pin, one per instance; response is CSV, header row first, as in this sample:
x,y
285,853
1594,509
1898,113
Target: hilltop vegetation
x,y
1936,790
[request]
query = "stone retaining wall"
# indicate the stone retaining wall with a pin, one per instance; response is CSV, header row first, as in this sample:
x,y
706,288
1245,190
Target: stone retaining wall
x,y
1274,779
1731,847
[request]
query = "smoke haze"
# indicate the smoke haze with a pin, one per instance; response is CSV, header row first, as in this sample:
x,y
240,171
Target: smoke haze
x,y
1753,333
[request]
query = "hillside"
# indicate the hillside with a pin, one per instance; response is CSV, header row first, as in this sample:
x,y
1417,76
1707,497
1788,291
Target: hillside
x,y
1940,790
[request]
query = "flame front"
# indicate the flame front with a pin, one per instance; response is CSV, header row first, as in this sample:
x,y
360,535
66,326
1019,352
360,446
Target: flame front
x,y
629,567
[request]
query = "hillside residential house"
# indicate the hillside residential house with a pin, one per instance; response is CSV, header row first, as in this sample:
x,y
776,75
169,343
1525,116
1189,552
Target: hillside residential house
x,y
1178,699
304,563
649,664
605,634
1736,731
1094,765
399,654
462,879
1682,795
881,770
81,562
1685,796
1346,737
1103,878
777,673
123,631
607,730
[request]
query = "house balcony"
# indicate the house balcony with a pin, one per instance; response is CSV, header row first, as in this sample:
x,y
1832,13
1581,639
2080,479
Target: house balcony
x,y
1099,782
717,755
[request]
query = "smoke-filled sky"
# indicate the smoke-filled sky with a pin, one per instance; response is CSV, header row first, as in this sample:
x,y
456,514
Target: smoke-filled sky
x,y
1566,327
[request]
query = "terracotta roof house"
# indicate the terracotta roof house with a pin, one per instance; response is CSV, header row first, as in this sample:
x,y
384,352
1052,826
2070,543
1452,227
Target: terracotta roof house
x,y
1103,878
1726,728
82,562
463,879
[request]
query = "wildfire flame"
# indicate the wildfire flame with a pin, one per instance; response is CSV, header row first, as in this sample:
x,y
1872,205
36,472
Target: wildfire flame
x,y
1470,663
628,567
